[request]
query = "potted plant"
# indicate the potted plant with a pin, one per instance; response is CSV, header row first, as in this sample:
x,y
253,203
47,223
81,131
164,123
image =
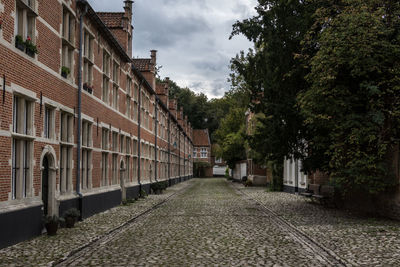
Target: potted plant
x,y
31,48
65,71
156,188
51,223
71,217
19,43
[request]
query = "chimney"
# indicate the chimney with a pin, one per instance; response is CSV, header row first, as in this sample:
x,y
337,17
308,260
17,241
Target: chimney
x,y
153,57
128,9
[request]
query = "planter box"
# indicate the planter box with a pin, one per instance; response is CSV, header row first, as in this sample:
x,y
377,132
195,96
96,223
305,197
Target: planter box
x,y
30,53
20,46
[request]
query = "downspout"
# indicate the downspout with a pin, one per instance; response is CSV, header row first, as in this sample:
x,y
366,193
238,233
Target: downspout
x,y
78,150
179,154
139,130
184,156
155,143
169,149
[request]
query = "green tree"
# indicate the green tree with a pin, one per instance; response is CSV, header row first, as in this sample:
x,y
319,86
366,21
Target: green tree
x,y
274,76
352,108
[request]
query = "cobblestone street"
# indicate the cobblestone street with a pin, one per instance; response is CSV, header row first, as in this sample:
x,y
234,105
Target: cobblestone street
x,y
212,222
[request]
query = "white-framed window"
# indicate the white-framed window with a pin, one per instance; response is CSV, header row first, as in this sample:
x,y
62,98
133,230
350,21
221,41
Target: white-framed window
x,y
203,152
106,92
114,168
22,147
26,19
106,63
88,40
105,134
195,153
218,160
49,122
115,141
128,107
87,147
115,72
115,97
121,143
68,42
66,145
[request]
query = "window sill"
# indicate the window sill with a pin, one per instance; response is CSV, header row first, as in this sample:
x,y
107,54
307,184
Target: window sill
x,y
66,144
23,136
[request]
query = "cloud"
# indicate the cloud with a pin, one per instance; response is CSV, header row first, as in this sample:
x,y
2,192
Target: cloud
x,y
191,36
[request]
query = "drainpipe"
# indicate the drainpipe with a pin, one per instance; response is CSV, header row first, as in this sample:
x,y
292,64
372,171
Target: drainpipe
x,y
169,149
155,143
139,140
78,150
179,154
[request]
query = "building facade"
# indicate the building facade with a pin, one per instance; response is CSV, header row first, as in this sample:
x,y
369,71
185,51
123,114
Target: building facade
x,y
202,152
82,124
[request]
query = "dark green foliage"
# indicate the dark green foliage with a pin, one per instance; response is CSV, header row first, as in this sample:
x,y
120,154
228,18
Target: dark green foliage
x,y
72,212
352,107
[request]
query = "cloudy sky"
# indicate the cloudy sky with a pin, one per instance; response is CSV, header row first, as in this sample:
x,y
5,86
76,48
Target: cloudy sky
x,y
191,36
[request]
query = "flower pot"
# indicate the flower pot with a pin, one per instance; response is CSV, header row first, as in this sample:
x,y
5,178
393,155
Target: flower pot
x,y
69,222
51,228
29,52
64,74
20,46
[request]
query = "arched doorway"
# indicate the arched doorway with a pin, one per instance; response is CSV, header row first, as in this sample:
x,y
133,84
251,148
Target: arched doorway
x,y
122,179
48,178
45,184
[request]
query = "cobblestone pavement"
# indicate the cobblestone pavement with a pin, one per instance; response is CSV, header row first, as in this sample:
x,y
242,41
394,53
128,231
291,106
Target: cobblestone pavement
x,y
360,241
212,222
45,250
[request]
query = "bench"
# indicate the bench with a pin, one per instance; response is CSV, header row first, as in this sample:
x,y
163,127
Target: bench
x,y
312,189
325,195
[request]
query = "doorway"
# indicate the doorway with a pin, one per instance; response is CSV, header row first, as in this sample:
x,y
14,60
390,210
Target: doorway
x,y
45,185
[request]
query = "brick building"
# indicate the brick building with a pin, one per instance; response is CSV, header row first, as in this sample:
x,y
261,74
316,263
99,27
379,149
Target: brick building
x,y
82,124
202,150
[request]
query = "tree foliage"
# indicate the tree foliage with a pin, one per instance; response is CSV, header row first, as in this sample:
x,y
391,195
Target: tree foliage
x,y
326,76
352,104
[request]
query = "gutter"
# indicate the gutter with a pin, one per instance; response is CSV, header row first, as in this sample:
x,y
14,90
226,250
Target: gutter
x,y
78,150
155,141
139,138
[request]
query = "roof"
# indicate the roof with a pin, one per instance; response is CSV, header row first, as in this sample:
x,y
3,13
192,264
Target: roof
x,y
112,19
201,138
142,64
104,29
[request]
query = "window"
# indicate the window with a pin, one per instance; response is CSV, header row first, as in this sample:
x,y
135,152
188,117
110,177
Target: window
x,y
66,145
22,149
104,156
218,160
203,153
115,141
106,94
106,63
121,144
128,106
115,73
114,168
88,45
68,42
87,74
135,92
49,122
86,163
135,112
26,19
128,86
115,97
88,61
